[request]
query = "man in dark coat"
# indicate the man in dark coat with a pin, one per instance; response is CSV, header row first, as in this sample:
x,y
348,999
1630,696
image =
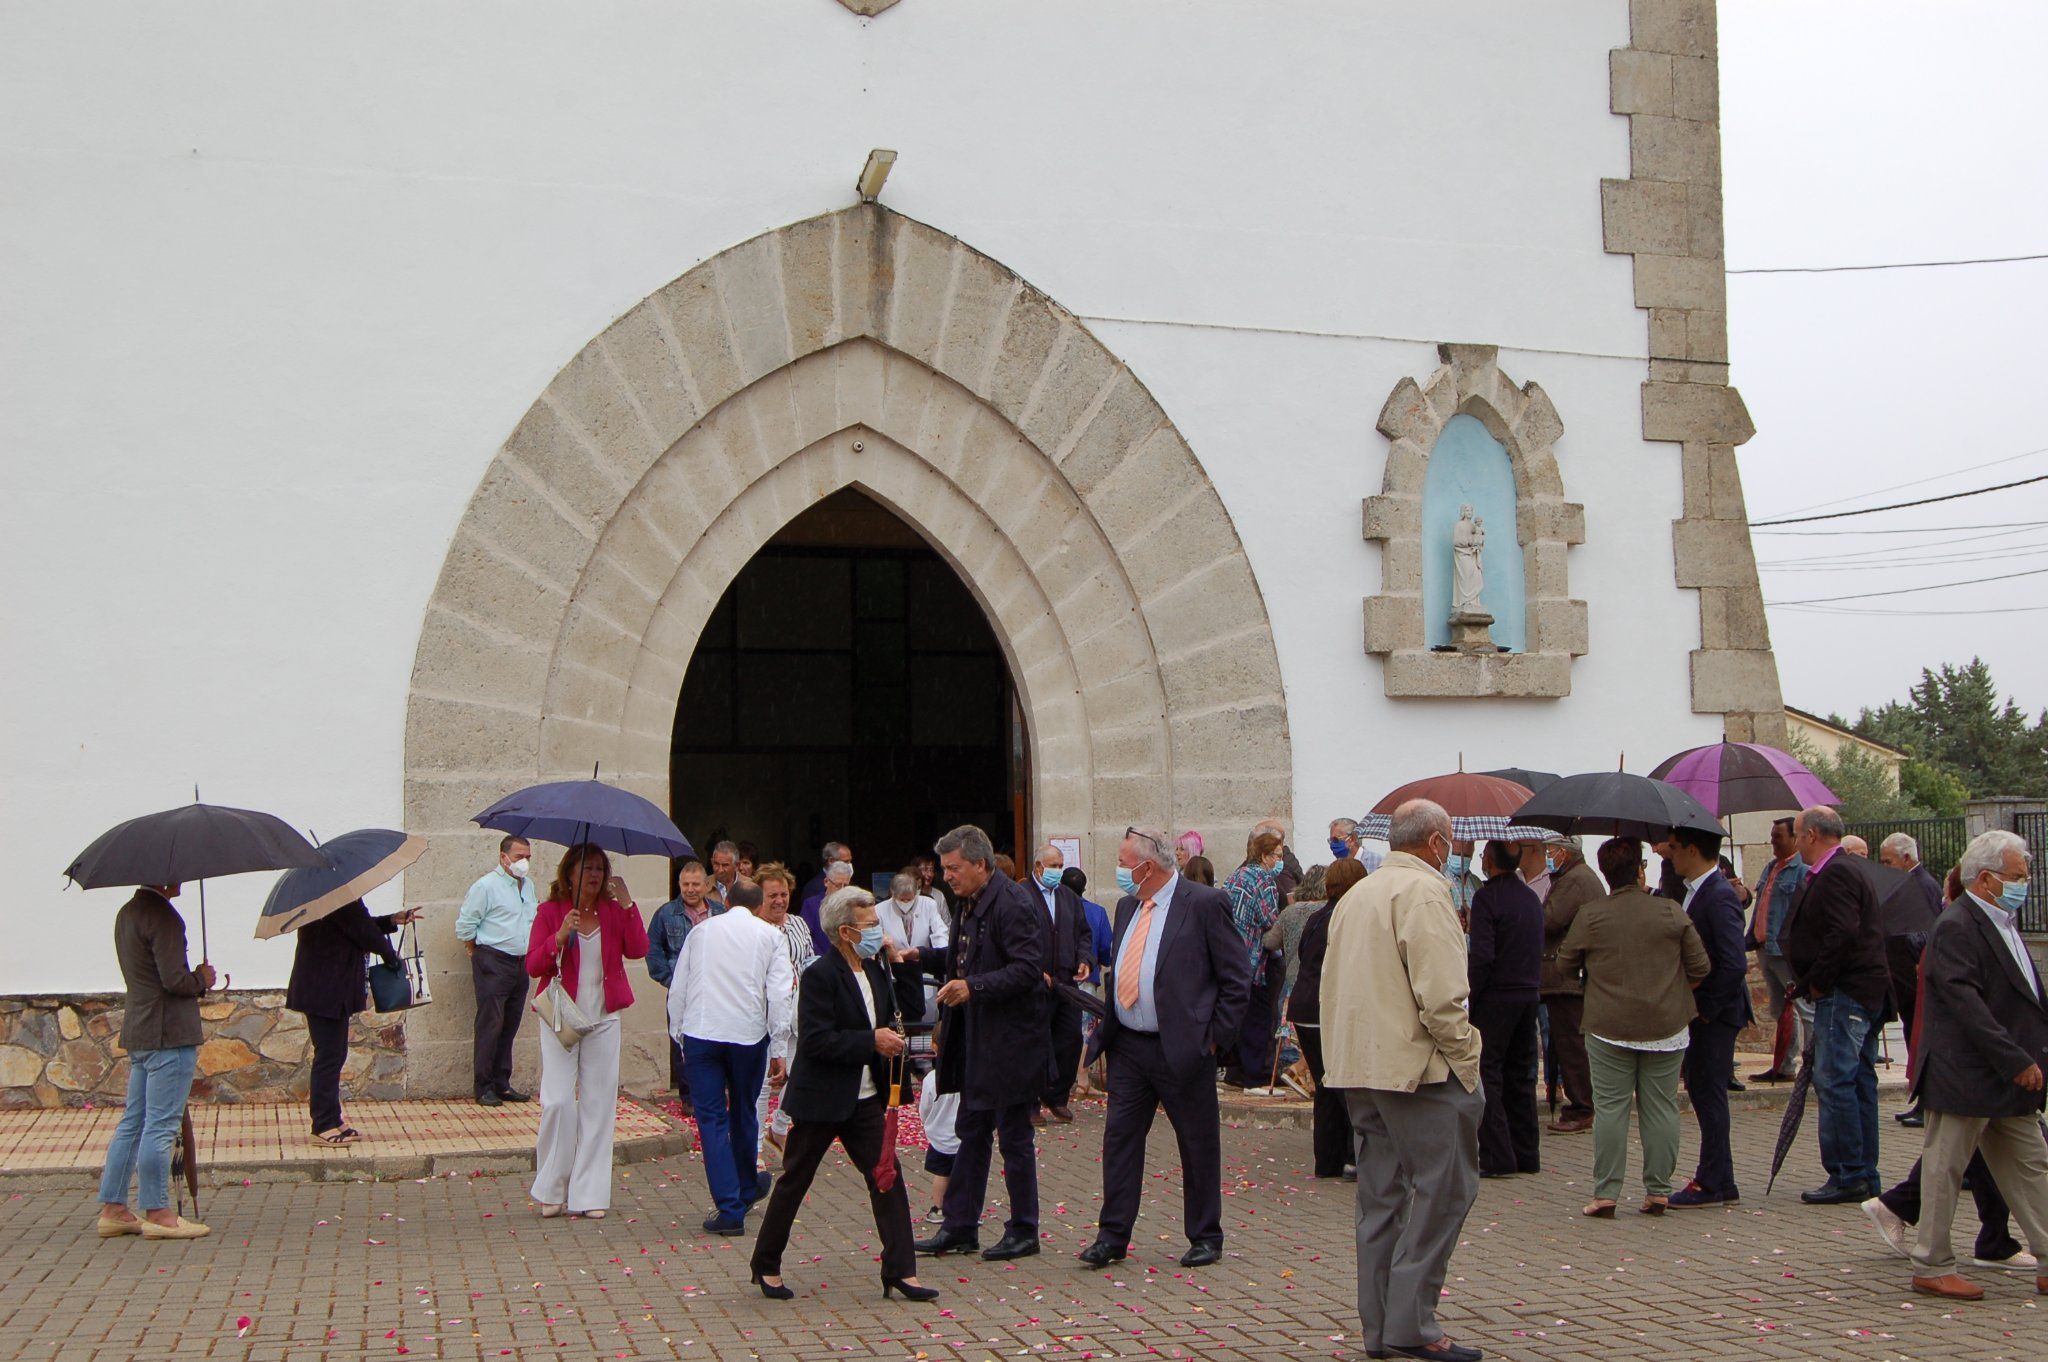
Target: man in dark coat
x,y
1177,993
993,1045
1834,941
1985,1038
1505,966
1069,955
1723,1007
1909,914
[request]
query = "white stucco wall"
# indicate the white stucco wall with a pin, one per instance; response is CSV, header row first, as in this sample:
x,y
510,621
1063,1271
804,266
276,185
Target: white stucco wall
x,y
280,278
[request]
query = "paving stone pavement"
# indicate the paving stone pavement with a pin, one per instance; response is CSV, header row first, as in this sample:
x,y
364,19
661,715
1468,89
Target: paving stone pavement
x,y
459,1267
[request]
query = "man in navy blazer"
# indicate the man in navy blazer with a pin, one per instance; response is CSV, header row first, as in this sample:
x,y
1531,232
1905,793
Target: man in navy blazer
x,y
1722,1003
1177,992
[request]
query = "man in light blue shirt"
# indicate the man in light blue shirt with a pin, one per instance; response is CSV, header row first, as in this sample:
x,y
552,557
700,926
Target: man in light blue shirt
x,y
494,926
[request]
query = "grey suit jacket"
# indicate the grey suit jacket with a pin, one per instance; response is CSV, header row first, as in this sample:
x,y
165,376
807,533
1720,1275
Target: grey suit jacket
x,y
163,992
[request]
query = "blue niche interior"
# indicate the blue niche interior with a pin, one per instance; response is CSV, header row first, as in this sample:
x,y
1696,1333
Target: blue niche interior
x,y
1469,466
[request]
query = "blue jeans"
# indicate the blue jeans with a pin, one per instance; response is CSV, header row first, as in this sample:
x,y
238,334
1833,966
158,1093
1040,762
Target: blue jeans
x,y
724,1081
159,1081
1845,1038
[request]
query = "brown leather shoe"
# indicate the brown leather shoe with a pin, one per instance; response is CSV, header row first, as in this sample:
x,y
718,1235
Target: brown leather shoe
x,y
1571,1125
2041,1286
1064,1115
1949,1287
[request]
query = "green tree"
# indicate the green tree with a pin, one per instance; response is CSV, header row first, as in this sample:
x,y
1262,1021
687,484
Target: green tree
x,y
1862,784
1959,734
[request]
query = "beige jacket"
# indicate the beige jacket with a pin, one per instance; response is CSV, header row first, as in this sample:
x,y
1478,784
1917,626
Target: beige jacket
x,y
1394,984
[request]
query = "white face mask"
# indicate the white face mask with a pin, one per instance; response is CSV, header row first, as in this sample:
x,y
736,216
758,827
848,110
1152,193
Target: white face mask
x,y
520,867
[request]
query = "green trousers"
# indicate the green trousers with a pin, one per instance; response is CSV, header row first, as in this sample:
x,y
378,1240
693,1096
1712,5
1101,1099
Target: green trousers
x,y
1648,1081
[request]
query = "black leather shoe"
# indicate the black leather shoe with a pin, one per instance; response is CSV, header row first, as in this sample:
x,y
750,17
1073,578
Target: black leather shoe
x,y
910,1293
1011,1246
764,1184
1102,1253
1912,1120
1443,1350
1832,1193
514,1095
946,1241
1202,1255
1737,1085
489,1099
731,1229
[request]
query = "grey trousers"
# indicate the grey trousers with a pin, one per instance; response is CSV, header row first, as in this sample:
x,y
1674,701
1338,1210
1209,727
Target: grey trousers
x,y
2017,1156
1418,1174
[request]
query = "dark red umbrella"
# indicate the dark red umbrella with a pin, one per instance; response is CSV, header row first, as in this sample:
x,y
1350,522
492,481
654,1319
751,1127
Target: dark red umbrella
x,y
885,1169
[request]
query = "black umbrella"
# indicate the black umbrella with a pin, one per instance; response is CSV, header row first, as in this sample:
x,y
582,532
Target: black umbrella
x,y
193,842
1534,780
1617,804
1795,1112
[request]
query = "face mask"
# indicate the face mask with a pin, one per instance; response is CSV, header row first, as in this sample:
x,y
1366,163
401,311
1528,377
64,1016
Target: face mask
x,y
907,899
2013,896
1339,848
1454,866
1550,865
870,942
1126,881
1049,878
520,867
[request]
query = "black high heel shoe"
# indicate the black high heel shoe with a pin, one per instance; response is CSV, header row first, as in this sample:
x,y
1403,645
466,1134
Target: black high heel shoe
x,y
910,1293
777,1293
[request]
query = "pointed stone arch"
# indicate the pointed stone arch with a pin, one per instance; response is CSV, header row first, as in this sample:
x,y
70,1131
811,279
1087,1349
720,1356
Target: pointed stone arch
x,y
858,349
1468,381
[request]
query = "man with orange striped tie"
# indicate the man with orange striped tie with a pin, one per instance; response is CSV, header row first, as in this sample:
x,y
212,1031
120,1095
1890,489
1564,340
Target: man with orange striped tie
x,y
1178,990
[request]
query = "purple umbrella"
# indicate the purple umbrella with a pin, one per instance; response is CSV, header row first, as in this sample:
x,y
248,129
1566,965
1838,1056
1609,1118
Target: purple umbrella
x,y
1744,777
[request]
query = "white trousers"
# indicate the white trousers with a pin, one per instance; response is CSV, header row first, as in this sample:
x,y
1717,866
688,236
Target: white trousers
x,y
579,1110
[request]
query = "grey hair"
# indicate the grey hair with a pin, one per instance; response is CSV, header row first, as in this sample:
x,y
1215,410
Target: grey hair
x,y
1415,822
971,842
729,848
838,908
1346,828
838,870
1822,821
902,880
831,851
1901,844
1154,847
1987,852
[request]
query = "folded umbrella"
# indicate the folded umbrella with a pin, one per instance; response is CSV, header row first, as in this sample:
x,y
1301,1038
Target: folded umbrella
x,y
885,1166
1617,804
356,863
1743,777
1795,1112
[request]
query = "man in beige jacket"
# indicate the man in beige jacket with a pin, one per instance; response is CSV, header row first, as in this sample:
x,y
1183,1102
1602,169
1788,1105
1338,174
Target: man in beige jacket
x,y
1400,1044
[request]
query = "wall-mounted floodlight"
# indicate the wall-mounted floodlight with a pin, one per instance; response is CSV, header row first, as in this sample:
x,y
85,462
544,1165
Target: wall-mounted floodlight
x,y
875,174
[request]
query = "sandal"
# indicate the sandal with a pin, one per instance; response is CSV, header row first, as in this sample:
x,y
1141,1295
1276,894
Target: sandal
x,y
591,1215
1654,1205
339,1135
1599,1210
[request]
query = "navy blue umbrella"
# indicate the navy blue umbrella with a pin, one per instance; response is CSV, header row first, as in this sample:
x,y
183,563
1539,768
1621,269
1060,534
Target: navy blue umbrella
x,y
357,862
569,812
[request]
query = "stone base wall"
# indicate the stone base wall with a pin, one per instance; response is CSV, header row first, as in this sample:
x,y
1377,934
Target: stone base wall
x,y
66,1052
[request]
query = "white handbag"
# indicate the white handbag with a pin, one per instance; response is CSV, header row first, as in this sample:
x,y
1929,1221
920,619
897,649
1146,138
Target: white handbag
x,y
559,1012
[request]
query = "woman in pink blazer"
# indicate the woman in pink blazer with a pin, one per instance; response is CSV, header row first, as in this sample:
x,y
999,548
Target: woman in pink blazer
x,y
585,933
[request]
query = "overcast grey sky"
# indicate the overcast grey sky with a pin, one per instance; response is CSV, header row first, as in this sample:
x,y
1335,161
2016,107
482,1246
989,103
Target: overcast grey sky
x,y
1873,133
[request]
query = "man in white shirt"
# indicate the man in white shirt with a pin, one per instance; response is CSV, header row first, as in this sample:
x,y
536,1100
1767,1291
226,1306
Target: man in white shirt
x,y
733,989
912,924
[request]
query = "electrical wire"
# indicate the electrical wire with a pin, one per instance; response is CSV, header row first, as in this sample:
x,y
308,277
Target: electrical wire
x,y
1916,482
1901,552
1907,614
1902,505
1908,590
1911,529
1946,560
1898,265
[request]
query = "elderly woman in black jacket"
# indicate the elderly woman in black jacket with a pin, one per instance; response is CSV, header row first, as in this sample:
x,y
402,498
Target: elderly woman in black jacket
x,y
330,984
849,1037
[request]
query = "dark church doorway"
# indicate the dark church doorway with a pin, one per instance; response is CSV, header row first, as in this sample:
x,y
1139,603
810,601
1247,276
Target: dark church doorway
x,y
848,687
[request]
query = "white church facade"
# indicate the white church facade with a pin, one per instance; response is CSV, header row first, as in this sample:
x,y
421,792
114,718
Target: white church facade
x,y
406,408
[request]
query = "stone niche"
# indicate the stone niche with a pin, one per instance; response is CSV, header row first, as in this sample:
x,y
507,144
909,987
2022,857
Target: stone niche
x,y
1468,383
66,1052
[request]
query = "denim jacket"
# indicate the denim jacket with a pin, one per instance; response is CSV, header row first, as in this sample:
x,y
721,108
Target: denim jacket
x,y
1783,890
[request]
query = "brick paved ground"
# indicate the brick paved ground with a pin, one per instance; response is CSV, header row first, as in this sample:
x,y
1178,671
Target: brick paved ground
x,y
460,1268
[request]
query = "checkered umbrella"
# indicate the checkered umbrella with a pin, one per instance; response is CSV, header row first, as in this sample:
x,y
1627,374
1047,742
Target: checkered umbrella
x,y
1478,805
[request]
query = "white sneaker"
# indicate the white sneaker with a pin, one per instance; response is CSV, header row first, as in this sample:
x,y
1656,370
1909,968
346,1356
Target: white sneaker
x,y
1890,1226
2022,1261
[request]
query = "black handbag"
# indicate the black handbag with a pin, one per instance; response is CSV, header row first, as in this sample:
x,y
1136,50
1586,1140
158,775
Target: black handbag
x,y
394,988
